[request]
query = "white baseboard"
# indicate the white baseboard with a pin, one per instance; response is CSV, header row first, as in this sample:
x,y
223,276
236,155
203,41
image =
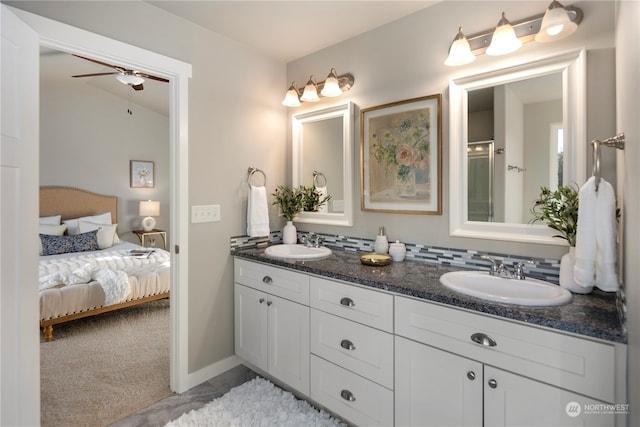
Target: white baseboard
x,y
213,370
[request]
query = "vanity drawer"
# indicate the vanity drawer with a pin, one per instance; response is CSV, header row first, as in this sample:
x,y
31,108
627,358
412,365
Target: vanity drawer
x,y
357,399
572,363
365,306
275,281
358,348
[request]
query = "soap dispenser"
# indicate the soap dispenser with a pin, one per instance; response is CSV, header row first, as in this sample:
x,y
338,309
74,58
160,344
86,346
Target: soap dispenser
x,y
381,245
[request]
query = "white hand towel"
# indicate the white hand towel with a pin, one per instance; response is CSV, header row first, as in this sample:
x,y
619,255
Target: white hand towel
x,y
606,276
257,212
596,237
323,193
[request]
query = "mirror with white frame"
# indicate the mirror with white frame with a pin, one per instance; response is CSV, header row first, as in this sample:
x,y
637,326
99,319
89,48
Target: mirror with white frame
x,y
322,158
529,149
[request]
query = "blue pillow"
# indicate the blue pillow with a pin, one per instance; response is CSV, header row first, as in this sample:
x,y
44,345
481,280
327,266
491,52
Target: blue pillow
x,y
83,242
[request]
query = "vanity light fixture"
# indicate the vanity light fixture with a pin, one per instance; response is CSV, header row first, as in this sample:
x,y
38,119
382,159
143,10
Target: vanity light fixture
x,y
333,86
556,23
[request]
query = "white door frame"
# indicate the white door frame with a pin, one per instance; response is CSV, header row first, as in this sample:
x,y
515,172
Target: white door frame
x,y
63,37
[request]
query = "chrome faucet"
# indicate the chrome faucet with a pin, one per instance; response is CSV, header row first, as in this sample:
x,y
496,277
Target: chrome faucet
x,y
518,272
498,268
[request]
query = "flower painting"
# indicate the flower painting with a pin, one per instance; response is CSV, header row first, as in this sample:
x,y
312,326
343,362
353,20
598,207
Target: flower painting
x,y
400,152
141,174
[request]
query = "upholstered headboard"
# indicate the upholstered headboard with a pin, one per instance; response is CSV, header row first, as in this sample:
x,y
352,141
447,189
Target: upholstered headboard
x,y
75,203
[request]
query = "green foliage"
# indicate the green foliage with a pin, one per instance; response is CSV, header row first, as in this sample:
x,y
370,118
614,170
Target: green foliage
x,y
559,209
289,200
312,199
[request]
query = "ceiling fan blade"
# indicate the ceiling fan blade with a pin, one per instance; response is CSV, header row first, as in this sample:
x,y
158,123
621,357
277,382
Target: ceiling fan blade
x,y
95,74
149,76
137,87
122,70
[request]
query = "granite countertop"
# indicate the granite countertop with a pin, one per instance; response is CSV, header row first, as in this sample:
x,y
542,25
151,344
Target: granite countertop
x,y
594,315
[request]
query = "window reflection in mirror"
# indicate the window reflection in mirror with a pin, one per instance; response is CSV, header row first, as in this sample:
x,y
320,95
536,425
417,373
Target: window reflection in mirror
x,y
515,146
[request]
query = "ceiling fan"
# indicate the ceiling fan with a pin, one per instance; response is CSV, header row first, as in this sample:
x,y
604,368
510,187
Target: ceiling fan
x,y
133,78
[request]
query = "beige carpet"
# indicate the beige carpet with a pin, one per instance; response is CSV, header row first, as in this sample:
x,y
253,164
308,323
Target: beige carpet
x,y
100,369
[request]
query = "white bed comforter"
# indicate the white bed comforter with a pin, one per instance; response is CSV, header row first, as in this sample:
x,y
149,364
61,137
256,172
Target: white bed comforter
x,y
108,267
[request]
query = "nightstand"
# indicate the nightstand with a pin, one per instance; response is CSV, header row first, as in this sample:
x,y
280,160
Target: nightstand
x,y
147,236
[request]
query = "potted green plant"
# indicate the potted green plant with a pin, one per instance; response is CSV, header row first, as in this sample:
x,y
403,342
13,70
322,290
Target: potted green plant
x,y
290,202
312,199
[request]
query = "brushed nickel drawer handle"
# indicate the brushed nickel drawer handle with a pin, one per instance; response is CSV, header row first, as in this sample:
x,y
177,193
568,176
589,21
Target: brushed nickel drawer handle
x,y
483,339
493,383
347,395
347,302
268,280
471,375
347,345
261,300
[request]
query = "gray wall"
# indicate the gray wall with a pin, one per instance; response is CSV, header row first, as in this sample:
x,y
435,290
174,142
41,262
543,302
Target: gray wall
x,y
404,60
87,139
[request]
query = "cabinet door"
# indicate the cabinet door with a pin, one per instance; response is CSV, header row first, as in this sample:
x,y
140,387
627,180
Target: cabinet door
x,y
289,342
436,388
250,325
512,400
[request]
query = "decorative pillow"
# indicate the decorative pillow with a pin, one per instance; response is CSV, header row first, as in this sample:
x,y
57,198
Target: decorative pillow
x,y
51,230
50,220
106,233
53,245
74,227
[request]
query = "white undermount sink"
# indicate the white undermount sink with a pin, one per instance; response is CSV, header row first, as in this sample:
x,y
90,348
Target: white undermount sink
x,y
531,292
297,252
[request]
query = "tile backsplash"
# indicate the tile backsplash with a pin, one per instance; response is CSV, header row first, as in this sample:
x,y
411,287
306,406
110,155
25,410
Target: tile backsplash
x,y
541,268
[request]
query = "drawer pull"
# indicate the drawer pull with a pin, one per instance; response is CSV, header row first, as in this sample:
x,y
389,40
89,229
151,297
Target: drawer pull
x,y
471,375
483,339
347,345
492,383
347,302
347,395
268,280
261,300
269,302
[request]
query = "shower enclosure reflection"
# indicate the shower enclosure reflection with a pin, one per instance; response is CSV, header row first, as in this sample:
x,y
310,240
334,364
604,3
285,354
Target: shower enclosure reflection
x,y
481,175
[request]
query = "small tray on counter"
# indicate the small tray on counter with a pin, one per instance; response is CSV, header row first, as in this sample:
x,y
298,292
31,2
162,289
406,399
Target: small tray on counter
x,y
375,259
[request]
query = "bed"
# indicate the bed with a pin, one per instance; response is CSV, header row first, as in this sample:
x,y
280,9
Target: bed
x,y
106,275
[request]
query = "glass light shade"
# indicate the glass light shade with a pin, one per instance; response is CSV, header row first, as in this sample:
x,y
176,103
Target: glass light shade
x,y
129,79
291,98
460,51
331,85
149,208
556,24
310,93
504,39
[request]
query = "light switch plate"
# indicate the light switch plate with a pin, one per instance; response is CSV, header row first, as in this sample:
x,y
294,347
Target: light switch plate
x,y
205,213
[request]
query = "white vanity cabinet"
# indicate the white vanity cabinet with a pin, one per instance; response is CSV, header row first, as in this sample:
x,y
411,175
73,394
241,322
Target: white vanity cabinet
x,y
352,351
272,321
459,368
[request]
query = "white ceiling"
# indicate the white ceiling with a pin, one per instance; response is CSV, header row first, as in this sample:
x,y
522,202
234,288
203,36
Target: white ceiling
x,y
288,30
285,30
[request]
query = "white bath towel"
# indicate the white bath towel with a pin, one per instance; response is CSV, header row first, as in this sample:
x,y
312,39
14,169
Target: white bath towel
x,y
596,237
257,212
322,191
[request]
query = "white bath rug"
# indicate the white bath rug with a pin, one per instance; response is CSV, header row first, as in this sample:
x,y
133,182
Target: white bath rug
x,y
256,403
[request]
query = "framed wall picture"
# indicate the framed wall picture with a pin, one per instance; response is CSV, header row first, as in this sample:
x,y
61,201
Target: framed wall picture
x,y
401,156
142,174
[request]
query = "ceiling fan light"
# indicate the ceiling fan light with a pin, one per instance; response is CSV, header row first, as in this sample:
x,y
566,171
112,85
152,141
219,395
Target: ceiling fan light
x,y
310,93
460,51
129,79
291,98
331,85
504,39
556,23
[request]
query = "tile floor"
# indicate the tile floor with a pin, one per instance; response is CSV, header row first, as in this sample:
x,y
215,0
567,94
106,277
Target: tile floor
x,y
173,406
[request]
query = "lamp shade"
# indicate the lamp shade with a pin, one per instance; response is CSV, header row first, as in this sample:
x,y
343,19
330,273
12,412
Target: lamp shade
x,y
331,85
460,51
129,79
556,24
291,98
504,39
310,93
149,208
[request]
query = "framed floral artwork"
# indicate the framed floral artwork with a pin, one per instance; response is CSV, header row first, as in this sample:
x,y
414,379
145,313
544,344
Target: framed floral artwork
x,y
142,174
401,156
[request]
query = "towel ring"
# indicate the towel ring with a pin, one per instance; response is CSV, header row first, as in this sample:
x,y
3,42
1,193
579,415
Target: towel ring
x,y
252,171
316,176
615,142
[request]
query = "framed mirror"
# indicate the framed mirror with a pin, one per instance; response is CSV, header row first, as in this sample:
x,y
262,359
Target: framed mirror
x,y
511,132
322,158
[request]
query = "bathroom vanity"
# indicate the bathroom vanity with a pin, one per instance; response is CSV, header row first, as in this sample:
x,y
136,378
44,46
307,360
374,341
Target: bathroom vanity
x,y
391,346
